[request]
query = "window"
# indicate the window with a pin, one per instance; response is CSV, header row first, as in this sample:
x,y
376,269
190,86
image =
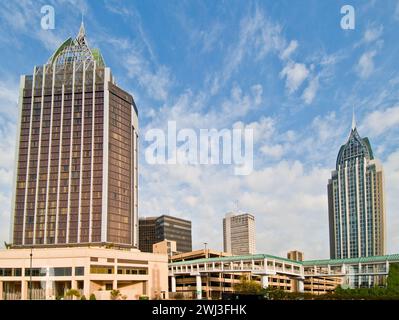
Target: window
x,y
35,272
10,272
108,286
102,269
60,272
132,270
79,271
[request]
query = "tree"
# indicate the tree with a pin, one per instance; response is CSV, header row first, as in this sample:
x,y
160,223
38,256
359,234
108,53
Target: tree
x,y
246,286
393,278
72,293
275,293
92,297
115,294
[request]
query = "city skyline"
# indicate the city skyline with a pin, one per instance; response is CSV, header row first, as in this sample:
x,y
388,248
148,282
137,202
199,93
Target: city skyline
x,y
294,87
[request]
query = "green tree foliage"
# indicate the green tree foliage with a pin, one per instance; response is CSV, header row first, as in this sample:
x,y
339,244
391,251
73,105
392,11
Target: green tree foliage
x,y
115,294
72,293
246,286
393,278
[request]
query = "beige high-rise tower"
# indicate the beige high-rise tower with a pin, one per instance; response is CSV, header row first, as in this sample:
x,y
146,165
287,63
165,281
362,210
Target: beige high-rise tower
x,y
76,154
356,201
239,233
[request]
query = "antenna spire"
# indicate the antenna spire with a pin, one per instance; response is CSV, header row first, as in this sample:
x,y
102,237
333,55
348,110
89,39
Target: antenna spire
x,y
82,31
353,119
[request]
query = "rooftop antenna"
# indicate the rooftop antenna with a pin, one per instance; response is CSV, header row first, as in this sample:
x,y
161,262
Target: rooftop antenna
x,y
353,119
236,206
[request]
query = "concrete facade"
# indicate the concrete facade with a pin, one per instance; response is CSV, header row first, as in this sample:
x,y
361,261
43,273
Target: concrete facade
x,y
239,235
91,270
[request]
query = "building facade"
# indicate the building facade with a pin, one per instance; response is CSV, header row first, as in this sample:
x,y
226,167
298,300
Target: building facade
x,y
157,229
147,233
239,234
76,155
51,272
356,201
210,274
295,255
167,247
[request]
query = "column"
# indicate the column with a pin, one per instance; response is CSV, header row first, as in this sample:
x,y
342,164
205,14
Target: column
x,y
301,287
48,288
265,281
1,290
115,285
199,286
86,287
173,280
24,290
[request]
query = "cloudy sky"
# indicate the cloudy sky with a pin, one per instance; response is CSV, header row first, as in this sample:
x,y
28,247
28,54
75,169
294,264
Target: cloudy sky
x,y
283,68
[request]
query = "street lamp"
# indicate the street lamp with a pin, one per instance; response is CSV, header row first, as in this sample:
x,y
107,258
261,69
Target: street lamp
x,y
206,255
30,274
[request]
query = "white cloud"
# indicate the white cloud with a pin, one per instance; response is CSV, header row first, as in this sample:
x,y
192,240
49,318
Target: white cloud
x,y
8,118
157,82
258,36
295,74
365,65
380,121
372,33
274,151
391,174
311,90
263,129
289,50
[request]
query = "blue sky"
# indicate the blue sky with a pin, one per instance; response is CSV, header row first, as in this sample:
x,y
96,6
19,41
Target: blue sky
x,y
284,68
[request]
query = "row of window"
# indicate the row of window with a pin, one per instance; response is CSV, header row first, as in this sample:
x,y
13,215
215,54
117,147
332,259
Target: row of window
x,y
41,272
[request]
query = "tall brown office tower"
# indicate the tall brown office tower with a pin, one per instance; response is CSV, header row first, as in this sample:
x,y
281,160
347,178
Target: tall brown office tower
x,y
76,154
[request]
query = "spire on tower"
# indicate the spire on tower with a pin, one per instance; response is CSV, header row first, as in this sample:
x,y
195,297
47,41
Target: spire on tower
x,y
82,32
353,119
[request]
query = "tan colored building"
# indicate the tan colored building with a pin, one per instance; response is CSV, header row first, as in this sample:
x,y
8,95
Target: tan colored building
x,y
214,283
295,255
239,236
167,247
91,270
321,285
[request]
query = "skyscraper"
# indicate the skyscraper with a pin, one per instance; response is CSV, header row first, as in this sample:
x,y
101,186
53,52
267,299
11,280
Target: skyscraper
x,y
76,154
156,229
239,233
356,201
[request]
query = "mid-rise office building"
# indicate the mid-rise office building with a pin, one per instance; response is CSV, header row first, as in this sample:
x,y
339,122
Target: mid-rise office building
x,y
156,229
147,233
76,154
239,233
295,255
356,201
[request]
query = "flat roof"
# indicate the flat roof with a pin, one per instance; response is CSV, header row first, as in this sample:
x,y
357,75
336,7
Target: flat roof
x,y
390,257
232,258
